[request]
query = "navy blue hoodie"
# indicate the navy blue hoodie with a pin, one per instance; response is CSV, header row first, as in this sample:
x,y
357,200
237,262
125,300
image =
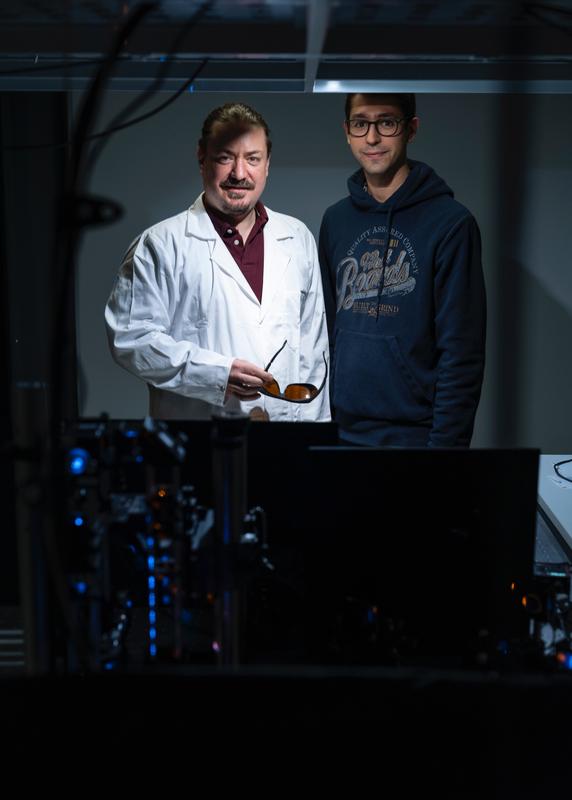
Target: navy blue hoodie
x,y
408,340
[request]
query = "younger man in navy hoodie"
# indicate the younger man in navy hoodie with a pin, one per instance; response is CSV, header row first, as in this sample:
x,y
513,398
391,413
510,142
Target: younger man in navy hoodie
x,y
405,297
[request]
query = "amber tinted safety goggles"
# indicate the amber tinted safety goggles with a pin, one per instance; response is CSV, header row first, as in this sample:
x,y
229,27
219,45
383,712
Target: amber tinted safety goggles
x,y
294,392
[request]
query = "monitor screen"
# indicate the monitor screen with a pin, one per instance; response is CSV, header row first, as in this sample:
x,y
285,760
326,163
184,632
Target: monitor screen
x,y
417,556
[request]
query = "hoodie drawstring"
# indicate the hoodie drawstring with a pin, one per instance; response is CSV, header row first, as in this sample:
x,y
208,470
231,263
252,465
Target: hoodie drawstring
x,y
383,260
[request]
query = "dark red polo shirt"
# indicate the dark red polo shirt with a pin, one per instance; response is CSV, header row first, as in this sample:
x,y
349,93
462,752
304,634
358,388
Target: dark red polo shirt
x,y
250,255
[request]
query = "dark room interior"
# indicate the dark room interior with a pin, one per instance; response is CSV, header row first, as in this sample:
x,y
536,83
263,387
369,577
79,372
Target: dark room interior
x,y
257,582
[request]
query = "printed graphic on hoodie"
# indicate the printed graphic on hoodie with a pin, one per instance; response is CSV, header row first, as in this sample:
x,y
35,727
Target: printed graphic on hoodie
x,y
359,273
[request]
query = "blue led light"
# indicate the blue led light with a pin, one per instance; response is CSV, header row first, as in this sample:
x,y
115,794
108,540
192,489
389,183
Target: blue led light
x,y
130,433
166,600
81,587
153,650
78,521
139,459
165,581
568,661
150,542
151,582
77,461
129,603
151,562
152,617
503,647
152,633
108,665
151,598
192,87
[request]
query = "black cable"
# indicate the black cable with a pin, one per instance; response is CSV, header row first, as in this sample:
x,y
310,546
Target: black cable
x,y
70,223
121,127
66,243
92,99
532,10
76,211
117,122
158,108
546,7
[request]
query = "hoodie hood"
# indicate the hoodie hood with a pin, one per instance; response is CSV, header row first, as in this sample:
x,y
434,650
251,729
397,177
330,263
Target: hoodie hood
x,y
421,184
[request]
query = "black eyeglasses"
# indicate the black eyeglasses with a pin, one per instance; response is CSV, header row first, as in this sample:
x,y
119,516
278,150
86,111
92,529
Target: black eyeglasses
x,y
294,392
385,126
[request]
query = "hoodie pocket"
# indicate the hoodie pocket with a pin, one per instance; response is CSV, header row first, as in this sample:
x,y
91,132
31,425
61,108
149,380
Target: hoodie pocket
x,y
373,380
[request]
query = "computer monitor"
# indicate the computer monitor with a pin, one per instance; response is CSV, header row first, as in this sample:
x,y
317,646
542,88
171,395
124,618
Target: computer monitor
x,y
417,556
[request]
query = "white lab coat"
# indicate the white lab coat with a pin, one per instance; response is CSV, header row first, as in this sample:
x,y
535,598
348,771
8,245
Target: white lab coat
x,y
181,311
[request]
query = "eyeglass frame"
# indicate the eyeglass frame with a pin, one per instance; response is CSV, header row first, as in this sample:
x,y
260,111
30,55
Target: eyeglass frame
x,y
287,399
374,122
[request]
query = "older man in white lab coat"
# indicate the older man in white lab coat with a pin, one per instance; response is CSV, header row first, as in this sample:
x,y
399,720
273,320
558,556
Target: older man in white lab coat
x,y
204,300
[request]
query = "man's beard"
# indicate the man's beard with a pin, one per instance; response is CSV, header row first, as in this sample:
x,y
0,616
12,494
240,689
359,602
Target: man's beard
x,y
236,196
237,210
241,207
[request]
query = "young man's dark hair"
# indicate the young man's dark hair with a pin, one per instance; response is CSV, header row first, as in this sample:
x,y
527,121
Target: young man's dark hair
x,y
406,103
237,114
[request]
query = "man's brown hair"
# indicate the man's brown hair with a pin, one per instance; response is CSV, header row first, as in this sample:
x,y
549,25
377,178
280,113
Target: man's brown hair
x,y
237,114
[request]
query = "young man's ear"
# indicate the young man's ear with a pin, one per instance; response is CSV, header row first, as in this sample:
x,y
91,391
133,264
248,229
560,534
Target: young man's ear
x,y
200,156
345,127
413,128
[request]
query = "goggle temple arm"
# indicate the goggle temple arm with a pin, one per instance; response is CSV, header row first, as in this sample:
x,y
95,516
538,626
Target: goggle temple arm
x,y
267,367
325,376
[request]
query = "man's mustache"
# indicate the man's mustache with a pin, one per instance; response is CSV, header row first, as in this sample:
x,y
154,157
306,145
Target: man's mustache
x,y
237,185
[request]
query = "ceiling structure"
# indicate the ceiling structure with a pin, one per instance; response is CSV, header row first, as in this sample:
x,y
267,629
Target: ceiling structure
x,y
294,45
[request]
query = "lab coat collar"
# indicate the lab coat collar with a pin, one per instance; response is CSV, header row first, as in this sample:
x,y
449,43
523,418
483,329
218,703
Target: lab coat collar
x,y
199,224
277,252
